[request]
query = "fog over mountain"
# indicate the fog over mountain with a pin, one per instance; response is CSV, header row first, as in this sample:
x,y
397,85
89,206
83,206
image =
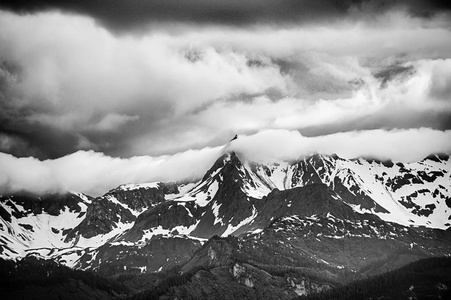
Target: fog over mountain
x,y
126,84
225,149
94,173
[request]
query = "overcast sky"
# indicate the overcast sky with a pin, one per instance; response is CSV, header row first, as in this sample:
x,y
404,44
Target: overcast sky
x,y
96,87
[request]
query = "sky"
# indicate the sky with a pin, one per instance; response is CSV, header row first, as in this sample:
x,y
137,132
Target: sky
x,y
94,94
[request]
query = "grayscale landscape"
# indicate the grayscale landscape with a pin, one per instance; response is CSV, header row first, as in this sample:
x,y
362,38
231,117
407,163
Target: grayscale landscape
x,y
206,149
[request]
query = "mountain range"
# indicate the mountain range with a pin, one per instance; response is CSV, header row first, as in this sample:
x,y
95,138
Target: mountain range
x,y
247,229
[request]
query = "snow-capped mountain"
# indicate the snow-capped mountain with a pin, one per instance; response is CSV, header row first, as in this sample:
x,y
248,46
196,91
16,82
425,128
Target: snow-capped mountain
x,y
410,194
156,226
39,225
62,227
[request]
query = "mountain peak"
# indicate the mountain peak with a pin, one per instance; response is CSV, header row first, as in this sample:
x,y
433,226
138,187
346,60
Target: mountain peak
x,y
228,158
437,157
136,186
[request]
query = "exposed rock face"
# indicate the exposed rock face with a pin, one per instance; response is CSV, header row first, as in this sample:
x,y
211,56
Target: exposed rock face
x,y
350,193
293,228
213,254
390,190
51,204
314,199
140,197
120,205
29,222
166,215
230,205
101,217
222,275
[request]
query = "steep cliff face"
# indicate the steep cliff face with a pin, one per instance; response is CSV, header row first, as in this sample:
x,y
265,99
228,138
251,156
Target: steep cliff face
x,y
407,193
175,218
230,205
320,217
217,205
313,199
234,194
119,207
139,197
217,271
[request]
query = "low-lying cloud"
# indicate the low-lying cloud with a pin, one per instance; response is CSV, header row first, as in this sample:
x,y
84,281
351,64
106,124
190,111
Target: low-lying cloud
x,y
397,145
156,98
95,173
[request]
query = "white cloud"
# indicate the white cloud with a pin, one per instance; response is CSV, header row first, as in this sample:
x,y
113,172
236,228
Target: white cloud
x,y
399,145
94,173
113,121
70,62
26,174
169,90
383,36
398,99
75,71
440,80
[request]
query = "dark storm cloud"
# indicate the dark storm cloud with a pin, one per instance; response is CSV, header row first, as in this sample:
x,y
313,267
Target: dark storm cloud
x,y
10,143
16,134
67,84
85,88
21,138
126,14
130,13
22,134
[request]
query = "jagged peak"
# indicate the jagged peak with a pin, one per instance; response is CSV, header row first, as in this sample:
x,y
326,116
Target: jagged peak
x,y
228,158
319,156
437,157
327,157
63,196
135,186
385,162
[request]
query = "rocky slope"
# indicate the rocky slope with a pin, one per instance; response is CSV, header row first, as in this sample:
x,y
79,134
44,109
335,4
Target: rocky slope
x,y
64,227
39,225
322,217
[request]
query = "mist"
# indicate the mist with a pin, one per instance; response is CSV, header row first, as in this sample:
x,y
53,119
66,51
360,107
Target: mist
x,y
94,173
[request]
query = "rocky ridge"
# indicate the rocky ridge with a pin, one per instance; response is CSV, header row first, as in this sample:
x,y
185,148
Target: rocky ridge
x,y
347,218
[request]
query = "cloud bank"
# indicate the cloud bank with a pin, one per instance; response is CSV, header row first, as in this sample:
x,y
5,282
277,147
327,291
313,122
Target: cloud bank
x,y
397,145
95,173
93,96
86,88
